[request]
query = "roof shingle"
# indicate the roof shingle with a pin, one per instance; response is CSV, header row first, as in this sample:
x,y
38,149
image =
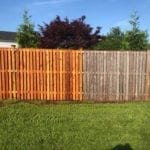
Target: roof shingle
x,y
8,36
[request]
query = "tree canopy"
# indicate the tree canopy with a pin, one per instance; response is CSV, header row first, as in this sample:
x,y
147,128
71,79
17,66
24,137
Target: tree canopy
x,y
136,38
26,36
68,34
113,41
76,34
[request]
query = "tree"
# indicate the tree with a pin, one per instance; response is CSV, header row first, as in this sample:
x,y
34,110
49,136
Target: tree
x,y
26,36
68,34
113,41
136,38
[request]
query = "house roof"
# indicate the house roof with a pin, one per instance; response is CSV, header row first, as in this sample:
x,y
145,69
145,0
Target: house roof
x,y
7,36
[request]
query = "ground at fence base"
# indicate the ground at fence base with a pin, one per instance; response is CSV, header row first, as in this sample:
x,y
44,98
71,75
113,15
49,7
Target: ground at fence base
x,y
47,102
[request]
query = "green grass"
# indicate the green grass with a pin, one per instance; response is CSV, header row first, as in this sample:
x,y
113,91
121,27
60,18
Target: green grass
x,y
68,126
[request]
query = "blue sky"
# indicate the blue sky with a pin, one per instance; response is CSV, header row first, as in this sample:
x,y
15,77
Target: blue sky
x,y
104,13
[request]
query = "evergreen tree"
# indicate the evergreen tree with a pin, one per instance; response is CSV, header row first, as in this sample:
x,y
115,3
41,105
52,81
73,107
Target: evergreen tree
x,y
136,38
26,36
113,41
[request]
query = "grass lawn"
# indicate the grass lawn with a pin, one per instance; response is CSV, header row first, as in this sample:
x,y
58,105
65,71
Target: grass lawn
x,y
39,125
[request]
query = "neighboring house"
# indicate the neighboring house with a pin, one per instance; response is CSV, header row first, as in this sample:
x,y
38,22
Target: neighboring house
x,y
8,39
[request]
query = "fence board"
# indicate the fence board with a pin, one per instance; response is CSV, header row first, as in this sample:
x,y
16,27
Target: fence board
x,y
40,74
116,75
147,88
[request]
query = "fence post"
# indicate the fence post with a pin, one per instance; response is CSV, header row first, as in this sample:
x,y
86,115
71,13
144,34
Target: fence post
x,y
81,74
148,76
13,49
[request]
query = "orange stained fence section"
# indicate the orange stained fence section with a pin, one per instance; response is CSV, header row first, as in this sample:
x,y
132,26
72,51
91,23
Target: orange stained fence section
x,y
40,74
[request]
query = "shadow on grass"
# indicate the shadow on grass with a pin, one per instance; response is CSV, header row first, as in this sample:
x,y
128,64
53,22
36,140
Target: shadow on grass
x,y
1,104
122,147
8,102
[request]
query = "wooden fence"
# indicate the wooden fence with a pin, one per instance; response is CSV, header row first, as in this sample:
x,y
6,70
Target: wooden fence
x,y
116,75
40,74
74,75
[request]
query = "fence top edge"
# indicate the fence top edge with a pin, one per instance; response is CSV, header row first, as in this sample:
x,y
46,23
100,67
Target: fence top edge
x,y
40,49
77,50
116,50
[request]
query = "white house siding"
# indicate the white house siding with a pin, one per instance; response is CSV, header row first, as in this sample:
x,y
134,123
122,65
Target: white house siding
x,y
8,44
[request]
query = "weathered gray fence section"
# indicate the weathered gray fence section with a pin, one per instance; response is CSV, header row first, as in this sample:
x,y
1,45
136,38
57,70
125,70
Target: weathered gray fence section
x,y
116,76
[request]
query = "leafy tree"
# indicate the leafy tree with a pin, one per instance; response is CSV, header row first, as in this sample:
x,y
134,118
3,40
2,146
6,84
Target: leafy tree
x,y
68,34
148,46
113,41
26,36
136,38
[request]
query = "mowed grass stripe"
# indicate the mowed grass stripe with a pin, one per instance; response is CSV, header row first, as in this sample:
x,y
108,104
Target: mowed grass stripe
x,y
38,125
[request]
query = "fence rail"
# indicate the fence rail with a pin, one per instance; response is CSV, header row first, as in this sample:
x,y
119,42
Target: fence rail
x,y
74,75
